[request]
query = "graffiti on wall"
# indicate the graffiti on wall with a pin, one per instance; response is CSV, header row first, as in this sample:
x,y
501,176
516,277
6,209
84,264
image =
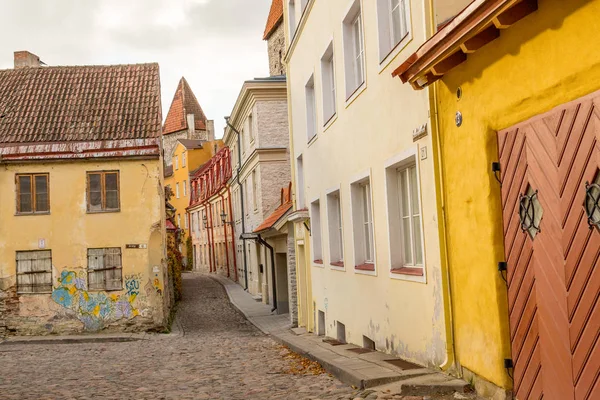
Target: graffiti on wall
x,y
96,309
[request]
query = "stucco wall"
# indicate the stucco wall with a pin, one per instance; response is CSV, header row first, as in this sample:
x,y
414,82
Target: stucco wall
x,y
169,141
542,61
69,231
403,316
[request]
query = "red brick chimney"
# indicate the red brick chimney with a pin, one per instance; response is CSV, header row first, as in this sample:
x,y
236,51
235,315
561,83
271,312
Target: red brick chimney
x,y
25,59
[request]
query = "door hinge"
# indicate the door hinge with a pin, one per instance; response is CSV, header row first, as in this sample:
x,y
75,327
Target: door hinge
x,y
496,170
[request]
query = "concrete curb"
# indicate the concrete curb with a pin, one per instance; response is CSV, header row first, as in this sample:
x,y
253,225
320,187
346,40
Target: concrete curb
x,y
73,339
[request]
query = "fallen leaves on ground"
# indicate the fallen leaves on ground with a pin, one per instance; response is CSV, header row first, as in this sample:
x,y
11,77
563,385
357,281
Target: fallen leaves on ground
x,y
299,365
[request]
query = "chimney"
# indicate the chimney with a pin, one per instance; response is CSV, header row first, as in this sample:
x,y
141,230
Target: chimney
x,y
191,126
210,128
25,59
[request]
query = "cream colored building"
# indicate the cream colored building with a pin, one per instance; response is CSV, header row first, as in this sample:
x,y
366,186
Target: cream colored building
x,y
369,269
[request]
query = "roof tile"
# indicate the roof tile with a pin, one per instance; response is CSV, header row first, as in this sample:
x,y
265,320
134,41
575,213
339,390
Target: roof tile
x,y
275,17
184,103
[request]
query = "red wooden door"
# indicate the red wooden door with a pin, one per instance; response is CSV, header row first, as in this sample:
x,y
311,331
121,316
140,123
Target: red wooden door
x,y
552,252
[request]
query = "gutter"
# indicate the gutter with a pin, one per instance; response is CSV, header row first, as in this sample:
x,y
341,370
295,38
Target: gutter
x,y
239,168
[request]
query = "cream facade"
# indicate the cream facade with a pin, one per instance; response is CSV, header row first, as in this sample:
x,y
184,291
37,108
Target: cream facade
x,y
258,137
368,259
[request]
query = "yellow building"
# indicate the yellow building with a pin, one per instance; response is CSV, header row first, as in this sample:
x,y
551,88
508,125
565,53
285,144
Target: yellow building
x,y
82,238
188,156
517,145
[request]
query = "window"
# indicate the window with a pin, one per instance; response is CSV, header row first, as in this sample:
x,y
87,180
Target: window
x,y
251,128
176,162
105,271
315,228
103,191
254,191
185,221
328,76
34,271
354,49
179,220
393,25
311,115
362,216
300,202
404,218
183,156
336,236
292,17
247,184
32,194
184,188
177,190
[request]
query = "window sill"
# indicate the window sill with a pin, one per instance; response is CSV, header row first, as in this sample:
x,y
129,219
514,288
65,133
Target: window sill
x,y
31,214
337,264
393,53
365,267
412,271
320,262
103,211
330,122
31,293
312,140
359,90
104,290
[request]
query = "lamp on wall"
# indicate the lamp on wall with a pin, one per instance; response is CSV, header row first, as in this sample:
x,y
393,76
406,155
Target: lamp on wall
x,y
224,218
205,221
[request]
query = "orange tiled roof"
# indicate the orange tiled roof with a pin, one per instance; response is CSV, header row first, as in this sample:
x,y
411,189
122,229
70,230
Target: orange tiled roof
x,y
275,18
184,103
286,205
79,103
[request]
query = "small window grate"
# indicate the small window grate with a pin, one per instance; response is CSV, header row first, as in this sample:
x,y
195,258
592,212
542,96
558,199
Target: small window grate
x,y
34,271
592,202
530,212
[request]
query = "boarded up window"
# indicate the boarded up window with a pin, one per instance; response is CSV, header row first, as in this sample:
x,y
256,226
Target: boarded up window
x,y
32,193
34,271
105,271
103,191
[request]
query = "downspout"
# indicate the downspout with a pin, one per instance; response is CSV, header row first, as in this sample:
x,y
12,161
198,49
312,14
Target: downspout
x,y
225,232
268,246
232,234
441,208
211,234
239,169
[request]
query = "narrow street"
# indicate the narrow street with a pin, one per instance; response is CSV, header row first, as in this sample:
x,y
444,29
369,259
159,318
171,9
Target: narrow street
x,y
218,355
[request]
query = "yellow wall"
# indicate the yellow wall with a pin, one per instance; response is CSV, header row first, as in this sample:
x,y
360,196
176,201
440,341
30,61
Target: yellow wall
x,y
194,159
68,231
546,59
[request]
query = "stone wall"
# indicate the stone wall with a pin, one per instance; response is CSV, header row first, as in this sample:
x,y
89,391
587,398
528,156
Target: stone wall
x,y
276,48
292,284
272,124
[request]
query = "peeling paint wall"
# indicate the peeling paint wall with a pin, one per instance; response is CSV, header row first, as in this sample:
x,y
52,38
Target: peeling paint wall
x,y
69,231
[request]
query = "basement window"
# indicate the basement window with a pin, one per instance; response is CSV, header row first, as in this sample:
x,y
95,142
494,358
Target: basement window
x,y
32,194
105,270
103,191
34,271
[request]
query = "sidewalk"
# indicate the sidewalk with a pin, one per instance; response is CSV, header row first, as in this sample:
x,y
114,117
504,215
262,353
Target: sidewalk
x,y
349,363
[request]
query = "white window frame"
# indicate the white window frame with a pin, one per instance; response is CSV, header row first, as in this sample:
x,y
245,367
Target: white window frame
x,y
183,157
254,191
293,23
177,189
179,221
360,224
185,221
354,49
389,45
251,127
184,188
301,199
335,227
393,214
176,163
316,248
328,84
311,108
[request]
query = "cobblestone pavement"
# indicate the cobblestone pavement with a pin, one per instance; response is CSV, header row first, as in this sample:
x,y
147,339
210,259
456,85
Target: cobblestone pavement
x,y
219,355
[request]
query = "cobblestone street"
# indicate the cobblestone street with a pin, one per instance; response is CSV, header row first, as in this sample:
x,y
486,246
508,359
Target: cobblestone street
x,y
219,355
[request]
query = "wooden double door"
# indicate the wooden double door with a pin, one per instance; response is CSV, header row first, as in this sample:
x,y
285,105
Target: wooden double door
x,y
550,198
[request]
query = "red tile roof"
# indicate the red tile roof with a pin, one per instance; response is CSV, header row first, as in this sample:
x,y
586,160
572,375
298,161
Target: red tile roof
x,y
184,103
79,103
286,205
171,226
275,18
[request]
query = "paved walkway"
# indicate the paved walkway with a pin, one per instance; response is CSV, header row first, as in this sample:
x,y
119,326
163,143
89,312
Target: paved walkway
x,y
370,370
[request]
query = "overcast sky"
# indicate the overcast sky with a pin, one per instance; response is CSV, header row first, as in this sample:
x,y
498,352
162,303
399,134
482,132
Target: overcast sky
x,y
215,44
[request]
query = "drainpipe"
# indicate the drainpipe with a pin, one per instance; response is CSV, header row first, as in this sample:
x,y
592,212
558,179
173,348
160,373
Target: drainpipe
x,y
211,235
239,169
232,234
442,226
225,232
268,246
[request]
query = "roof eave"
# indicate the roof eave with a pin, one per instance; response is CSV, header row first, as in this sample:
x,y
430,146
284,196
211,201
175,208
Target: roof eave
x,y
473,28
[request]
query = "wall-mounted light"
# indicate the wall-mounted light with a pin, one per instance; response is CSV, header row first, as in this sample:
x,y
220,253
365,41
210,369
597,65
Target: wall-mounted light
x,y
224,218
205,221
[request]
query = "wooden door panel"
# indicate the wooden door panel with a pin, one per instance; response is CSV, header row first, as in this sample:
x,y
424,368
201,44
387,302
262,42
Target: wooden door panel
x,y
554,275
